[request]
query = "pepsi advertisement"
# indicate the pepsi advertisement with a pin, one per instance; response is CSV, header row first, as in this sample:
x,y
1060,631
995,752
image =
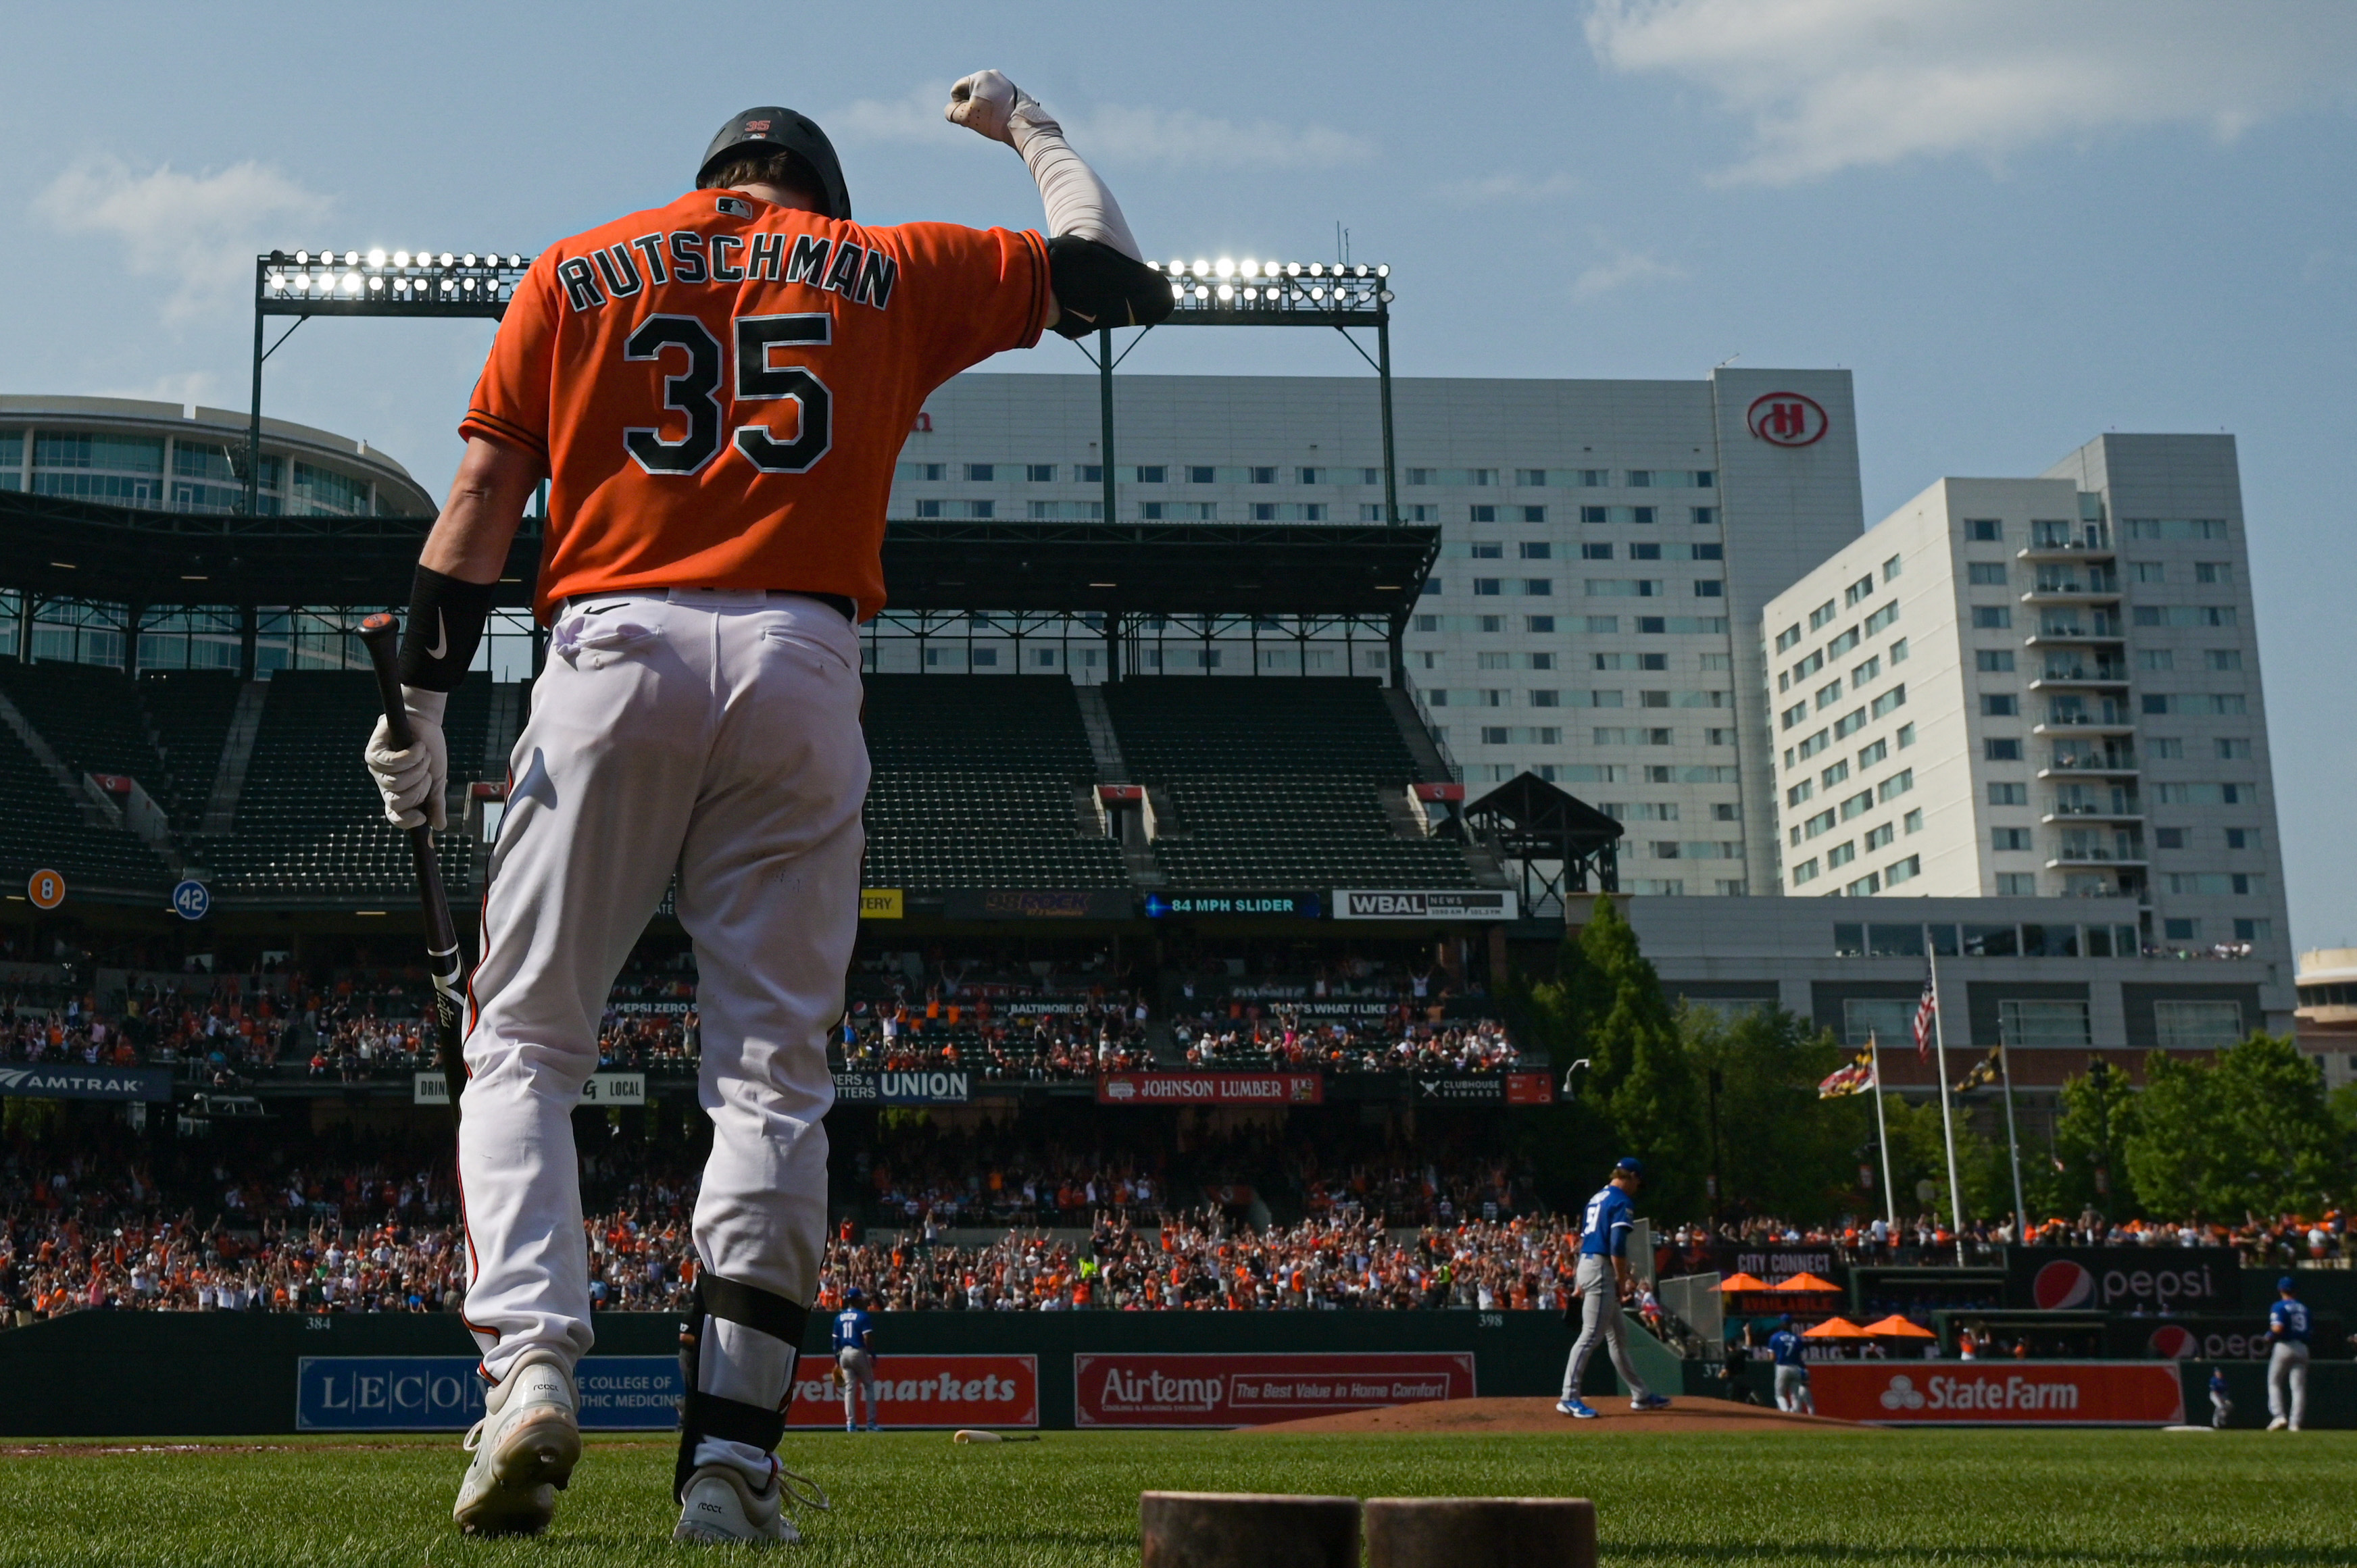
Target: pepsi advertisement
x,y
2178,1282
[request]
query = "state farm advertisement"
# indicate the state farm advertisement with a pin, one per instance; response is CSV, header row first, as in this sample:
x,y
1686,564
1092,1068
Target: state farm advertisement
x,y
1999,1393
1151,1390
1210,1088
925,1391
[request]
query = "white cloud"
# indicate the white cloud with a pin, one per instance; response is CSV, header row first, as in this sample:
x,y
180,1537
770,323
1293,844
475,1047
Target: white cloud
x,y
1621,270
200,232
1508,186
1833,84
1120,134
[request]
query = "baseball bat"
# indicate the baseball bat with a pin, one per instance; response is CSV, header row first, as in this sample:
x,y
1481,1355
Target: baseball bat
x,y
380,634
971,1436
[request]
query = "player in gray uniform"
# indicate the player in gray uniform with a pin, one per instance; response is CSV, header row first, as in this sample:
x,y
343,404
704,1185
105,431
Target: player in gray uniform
x,y
2288,1326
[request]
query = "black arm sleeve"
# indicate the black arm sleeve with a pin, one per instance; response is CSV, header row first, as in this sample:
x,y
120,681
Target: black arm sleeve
x,y
445,627
1096,286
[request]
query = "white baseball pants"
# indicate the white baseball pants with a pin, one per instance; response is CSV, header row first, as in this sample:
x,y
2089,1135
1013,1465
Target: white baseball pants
x,y
714,736
2287,1382
858,1369
1600,1317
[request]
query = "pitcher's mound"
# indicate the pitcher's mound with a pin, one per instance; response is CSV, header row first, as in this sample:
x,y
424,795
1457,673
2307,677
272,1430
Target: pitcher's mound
x,y
1526,1415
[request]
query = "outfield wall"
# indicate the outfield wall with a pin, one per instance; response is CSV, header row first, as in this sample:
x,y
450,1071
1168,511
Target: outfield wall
x,y
102,1374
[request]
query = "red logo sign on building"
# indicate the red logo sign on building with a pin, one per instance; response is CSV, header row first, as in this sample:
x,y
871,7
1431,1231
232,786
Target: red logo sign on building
x,y
1254,1389
1787,419
2000,1393
928,1390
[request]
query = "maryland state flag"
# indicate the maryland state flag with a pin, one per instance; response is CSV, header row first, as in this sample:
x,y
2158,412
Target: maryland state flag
x,y
1856,1076
1987,1070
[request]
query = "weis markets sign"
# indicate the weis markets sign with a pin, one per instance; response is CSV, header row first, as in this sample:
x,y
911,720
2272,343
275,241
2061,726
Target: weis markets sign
x,y
87,1082
1253,1390
928,1390
2178,1280
918,1086
1999,1393
1210,1088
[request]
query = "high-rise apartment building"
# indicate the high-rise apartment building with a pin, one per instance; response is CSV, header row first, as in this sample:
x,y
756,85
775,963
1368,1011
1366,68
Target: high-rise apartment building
x,y
1606,549
2038,687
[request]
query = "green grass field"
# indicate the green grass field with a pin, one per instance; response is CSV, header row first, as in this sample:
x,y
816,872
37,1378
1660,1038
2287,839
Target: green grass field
x,y
1911,1499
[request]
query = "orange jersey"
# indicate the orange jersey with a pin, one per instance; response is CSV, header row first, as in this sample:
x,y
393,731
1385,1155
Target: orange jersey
x,y
720,387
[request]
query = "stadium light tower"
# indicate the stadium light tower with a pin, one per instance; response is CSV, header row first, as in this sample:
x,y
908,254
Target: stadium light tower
x,y
418,284
1253,292
1250,293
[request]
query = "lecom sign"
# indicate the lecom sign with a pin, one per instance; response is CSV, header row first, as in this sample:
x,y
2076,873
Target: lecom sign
x,y
1787,419
2000,1393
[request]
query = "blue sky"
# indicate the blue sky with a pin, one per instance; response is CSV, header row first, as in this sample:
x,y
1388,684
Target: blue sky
x,y
2019,224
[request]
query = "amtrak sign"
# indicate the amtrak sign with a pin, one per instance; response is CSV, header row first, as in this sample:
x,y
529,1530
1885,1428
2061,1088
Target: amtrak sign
x,y
61,1083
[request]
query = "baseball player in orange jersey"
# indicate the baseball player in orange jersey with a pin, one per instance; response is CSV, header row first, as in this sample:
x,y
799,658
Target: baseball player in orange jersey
x,y
715,390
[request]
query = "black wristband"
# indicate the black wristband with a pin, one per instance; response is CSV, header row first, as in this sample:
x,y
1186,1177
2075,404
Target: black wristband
x,y
445,627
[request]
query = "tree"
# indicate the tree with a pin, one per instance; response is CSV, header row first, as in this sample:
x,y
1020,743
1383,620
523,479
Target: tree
x,y
1781,1150
2097,1116
2248,1129
1606,1005
1918,1154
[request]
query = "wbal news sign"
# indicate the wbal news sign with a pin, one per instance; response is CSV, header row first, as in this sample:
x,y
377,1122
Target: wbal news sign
x,y
640,1393
2178,1280
1999,1393
1176,1389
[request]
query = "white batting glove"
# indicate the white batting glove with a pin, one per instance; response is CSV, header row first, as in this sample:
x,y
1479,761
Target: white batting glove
x,y
989,105
412,779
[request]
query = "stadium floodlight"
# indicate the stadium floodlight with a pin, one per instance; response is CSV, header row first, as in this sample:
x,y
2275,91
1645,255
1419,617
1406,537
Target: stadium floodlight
x,y
352,283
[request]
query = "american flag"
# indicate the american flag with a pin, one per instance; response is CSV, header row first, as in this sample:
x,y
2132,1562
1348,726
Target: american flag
x,y
1927,1014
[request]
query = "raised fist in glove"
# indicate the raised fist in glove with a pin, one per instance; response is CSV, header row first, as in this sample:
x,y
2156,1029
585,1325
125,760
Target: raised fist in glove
x,y
989,105
412,779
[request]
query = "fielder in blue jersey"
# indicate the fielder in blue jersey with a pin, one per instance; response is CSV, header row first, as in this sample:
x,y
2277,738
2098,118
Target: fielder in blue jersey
x,y
1602,1281
855,1358
1792,1373
2287,1327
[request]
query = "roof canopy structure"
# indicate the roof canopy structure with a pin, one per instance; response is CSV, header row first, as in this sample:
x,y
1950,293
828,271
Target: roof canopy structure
x,y
1558,840
57,548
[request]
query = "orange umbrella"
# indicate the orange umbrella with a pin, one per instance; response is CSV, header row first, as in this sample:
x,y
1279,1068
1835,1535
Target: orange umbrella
x,y
1835,1329
1807,1282
1896,1328
1743,1283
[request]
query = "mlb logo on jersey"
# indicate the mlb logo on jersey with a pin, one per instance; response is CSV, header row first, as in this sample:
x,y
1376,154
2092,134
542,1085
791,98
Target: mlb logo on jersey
x,y
735,207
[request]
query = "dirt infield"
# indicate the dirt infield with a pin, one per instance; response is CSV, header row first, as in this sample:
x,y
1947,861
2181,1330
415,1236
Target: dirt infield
x,y
1526,1415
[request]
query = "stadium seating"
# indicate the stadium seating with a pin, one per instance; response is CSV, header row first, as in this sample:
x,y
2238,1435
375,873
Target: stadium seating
x,y
976,782
309,822
1277,783
190,712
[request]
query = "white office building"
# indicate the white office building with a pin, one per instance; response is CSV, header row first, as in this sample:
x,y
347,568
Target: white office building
x,y
2039,688
1607,548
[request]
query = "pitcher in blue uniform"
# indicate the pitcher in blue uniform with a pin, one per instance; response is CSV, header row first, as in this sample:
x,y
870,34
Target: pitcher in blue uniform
x,y
1602,1281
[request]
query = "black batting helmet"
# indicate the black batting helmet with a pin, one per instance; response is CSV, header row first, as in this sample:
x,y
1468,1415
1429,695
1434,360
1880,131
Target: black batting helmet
x,y
775,129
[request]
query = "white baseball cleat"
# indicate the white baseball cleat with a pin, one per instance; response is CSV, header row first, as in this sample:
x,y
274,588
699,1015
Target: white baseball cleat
x,y
524,1447
721,1505
2278,1423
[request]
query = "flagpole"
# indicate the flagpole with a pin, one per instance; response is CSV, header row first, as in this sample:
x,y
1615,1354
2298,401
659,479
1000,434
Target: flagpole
x,y
1947,1112
1882,1136
2020,1209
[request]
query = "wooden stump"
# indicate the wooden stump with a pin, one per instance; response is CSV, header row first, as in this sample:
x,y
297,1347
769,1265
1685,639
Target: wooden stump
x,y
1248,1529
1481,1533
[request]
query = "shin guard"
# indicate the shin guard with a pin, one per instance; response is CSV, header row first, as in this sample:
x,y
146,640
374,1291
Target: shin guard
x,y
703,1416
